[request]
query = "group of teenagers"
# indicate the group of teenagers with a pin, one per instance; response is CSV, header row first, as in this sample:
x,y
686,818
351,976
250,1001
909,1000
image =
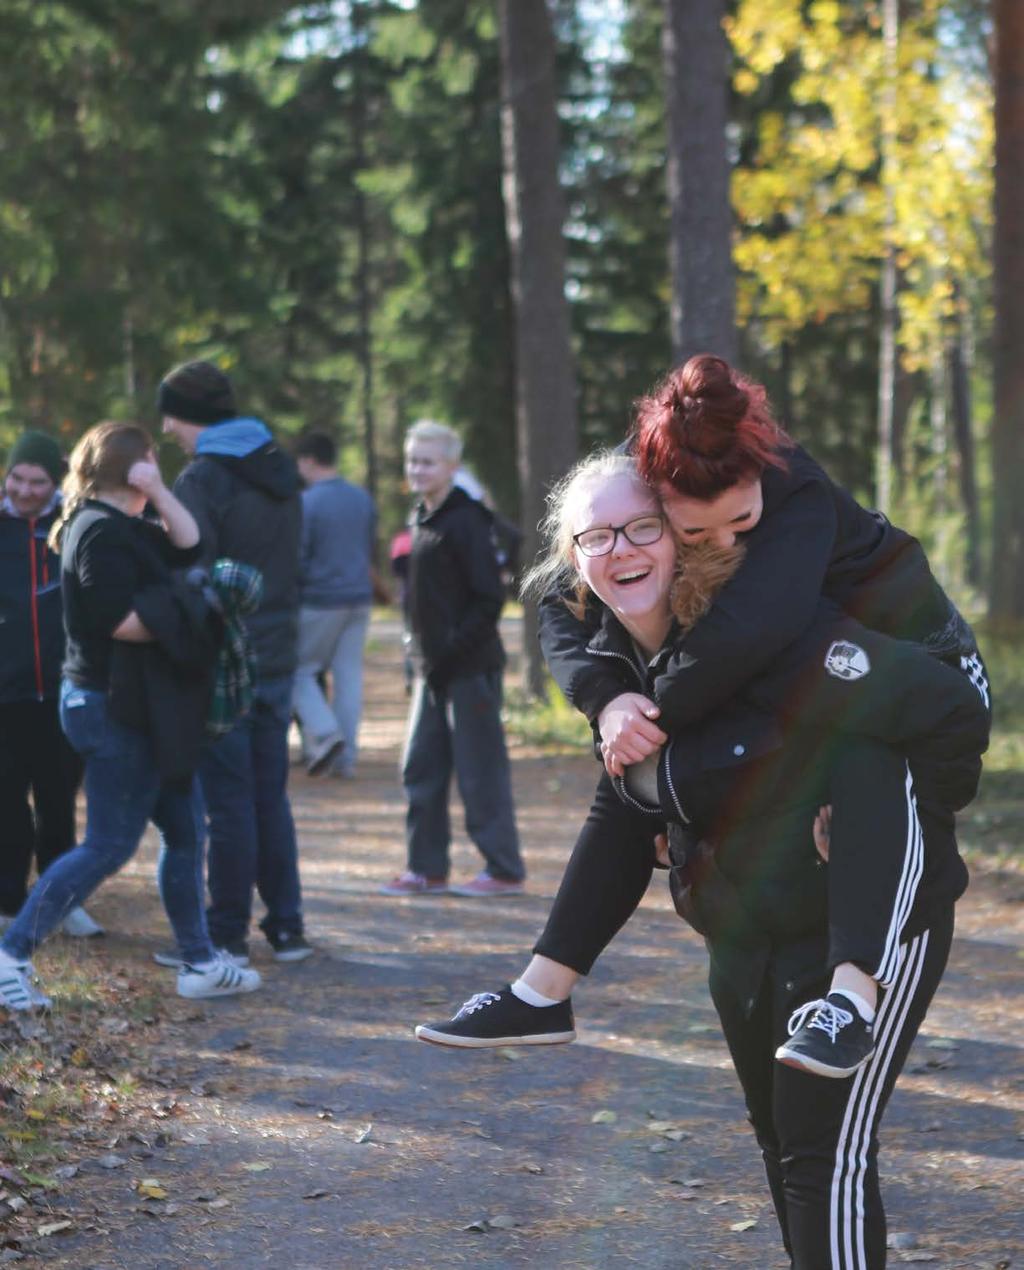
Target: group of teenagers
x,y
174,697
789,711
788,708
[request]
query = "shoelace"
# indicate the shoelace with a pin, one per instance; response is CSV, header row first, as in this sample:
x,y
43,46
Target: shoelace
x,y
477,1002
828,1018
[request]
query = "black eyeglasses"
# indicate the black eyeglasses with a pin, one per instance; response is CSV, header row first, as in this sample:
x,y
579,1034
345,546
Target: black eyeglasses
x,y
641,532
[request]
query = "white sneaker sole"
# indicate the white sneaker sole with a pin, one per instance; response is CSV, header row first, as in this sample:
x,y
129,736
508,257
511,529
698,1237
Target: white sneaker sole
x,y
293,954
804,1063
204,994
434,1037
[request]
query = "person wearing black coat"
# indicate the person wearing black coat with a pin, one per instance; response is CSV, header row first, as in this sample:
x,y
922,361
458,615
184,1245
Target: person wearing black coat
x,y
830,721
110,554
454,599
244,492
34,753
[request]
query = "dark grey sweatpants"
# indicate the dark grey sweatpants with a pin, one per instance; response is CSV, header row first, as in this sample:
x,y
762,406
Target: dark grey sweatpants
x,y
459,730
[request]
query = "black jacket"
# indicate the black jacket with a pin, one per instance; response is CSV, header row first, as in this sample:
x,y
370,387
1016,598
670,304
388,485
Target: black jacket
x,y
31,623
250,510
813,539
454,591
163,688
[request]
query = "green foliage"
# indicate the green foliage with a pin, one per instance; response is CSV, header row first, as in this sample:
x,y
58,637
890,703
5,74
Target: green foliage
x,y
549,722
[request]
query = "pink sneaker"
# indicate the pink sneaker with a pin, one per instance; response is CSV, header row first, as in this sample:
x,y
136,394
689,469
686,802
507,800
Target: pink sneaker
x,y
483,886
409,883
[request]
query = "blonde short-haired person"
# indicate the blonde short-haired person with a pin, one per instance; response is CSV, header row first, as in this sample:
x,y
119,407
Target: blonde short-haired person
x,y
455,596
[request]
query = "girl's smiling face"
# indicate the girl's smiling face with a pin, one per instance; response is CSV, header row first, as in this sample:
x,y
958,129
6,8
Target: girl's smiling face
x,y
633,581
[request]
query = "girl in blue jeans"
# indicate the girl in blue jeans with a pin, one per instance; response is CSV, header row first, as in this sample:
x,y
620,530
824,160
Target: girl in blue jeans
x,y
109,553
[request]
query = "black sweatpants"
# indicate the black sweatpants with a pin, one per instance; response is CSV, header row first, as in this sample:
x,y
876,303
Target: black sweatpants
x,y
34,756
819,1137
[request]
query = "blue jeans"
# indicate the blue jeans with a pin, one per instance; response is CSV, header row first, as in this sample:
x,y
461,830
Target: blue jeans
x,y
459,730
123,791
252,835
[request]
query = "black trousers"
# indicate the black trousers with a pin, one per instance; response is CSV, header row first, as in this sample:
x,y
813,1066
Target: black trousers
x,y
819,1137
35,758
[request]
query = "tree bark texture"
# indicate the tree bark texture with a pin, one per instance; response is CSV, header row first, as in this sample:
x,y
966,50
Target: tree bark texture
x,y
696,57
1006,596
546,425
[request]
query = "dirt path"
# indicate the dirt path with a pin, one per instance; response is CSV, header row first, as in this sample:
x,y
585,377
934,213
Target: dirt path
x,y
305,1128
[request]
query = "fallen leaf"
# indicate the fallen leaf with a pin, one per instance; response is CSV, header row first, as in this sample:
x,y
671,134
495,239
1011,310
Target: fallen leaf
x,y
531,1168
111,1161
502,1222
219,1203
748,1224
604,1116
509,1054
52,1228
33,1114
317,1194
364,1134
150,1188
259,1167
479,1226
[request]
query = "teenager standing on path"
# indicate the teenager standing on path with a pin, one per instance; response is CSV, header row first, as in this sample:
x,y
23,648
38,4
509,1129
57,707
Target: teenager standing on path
x,y
34,753
243,491
337,584
109,555
753,787
453,602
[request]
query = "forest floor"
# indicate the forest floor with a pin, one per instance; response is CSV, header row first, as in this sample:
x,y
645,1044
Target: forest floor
x,y
304,1127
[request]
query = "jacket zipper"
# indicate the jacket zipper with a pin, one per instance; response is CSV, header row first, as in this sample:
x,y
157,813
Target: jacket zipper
x,y
671,787
605,652
32,568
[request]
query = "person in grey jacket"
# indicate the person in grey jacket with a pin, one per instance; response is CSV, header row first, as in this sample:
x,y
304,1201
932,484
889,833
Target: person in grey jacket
x,y
243,491
337,585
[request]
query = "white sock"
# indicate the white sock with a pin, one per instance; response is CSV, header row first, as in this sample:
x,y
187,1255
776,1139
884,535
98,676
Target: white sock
x,y
530,995
860,1005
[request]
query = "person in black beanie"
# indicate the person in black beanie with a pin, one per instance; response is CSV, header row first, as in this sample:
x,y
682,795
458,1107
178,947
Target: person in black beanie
x,y
243,491
34,753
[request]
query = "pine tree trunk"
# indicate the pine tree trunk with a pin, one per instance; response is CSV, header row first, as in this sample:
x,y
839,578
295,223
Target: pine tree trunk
x,y
534,213
696,55
963,438
887,355
1006,596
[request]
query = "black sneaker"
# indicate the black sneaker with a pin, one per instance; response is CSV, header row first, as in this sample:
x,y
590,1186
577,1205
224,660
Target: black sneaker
x,y
288,947
834,1041
500,1018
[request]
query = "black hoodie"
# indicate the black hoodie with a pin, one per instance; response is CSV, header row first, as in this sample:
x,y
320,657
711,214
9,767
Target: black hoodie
x,y
249,509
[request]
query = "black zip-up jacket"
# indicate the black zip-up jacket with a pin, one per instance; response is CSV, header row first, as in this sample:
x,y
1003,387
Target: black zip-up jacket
x,y
249,509
766,755
813,540
31,618
163,688
454,592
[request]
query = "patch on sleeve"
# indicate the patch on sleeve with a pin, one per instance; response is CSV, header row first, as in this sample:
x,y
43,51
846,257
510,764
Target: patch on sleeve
x,y
847,661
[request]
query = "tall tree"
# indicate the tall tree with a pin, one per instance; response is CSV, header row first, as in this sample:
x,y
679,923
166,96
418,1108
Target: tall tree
x,y
1006,599
697,89
535,217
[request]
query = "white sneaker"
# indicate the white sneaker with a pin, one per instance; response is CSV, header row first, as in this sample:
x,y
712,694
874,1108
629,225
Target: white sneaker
x,y
217,978
80,925
17,989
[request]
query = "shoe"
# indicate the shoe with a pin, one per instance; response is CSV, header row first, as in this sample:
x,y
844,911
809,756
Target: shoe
x,y
237,954
500,1018
834,1042
484,886
17,986
323,753
218,978
288,947
409,883
80,925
